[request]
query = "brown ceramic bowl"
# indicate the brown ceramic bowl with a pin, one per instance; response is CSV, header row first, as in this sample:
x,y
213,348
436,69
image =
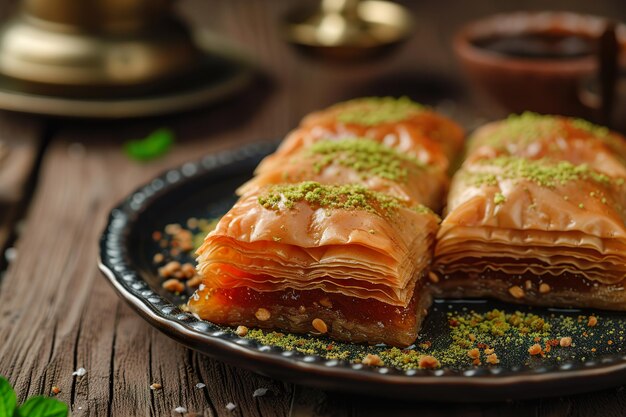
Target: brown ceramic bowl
x,y
544,85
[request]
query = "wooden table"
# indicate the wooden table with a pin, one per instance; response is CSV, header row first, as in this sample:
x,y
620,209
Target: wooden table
x,y
58,314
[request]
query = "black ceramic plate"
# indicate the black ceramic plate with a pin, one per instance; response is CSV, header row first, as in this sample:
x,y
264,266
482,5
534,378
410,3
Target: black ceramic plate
x,y
205,189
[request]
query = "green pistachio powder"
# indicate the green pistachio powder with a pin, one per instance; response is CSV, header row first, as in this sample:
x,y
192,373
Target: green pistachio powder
x,y
371,111
467,329
543,172
527,127
365,156
345,197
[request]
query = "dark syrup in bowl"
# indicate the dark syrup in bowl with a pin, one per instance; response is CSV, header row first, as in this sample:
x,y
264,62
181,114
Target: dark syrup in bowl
x,y
539,46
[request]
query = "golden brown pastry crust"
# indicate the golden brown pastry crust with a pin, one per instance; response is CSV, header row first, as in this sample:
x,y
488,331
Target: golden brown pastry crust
x,y
356,253
544,219
432,138
421,184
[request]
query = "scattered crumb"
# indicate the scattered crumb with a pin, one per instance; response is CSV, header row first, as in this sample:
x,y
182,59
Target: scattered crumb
x,y
429,362
516,292
169,269
433,277
565,342
158,258
55,390
262,314
188,270
528,284
320,326
230,406
592,321
155,387
493,359
473,353
259,392
194,282
180,410
174,285
241,331
535,349
79,372
200,385
372,360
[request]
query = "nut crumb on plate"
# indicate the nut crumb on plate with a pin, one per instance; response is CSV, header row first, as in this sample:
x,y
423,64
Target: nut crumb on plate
x,y
535,349
174,285
493,359
194,282
372,360
473,353
428,362
241,331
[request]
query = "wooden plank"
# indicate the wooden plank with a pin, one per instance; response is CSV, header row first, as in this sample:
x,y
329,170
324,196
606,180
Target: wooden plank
x,y
21,139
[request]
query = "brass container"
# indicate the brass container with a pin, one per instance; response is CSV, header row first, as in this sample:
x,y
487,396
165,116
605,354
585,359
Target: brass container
x,y
111,59
95,47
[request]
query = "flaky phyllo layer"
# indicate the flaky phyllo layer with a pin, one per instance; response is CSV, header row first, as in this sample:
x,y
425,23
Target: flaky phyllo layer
x,y
559,138
529,216
401,124
359,161
342,239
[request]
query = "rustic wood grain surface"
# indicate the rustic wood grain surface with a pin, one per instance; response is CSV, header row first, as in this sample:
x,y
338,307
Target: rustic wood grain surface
x,y
58,314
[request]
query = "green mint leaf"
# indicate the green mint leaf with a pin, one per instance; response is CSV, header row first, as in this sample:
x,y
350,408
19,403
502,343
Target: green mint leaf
x,y
8,399
43,407
156,144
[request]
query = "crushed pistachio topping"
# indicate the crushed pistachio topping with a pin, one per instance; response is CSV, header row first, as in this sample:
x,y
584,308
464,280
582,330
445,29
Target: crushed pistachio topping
x,y
596,130
347,197
371,111
528,127
522,128
543,172
366,156
499,198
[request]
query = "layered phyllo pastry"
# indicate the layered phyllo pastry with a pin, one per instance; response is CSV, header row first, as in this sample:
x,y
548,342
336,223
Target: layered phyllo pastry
x,y
340,260
535,136
399,123
364,161
537,215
